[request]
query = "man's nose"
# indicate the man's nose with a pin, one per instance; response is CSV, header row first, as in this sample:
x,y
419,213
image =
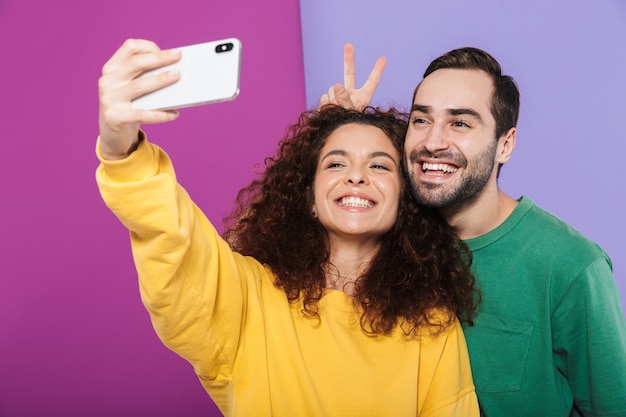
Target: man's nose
x,y
435,139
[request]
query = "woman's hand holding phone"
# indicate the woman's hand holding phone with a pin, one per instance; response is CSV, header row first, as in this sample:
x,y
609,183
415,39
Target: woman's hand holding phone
x,y
143,84
121,83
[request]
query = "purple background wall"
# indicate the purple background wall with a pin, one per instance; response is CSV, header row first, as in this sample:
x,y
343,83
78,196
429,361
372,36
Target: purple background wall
x,y
568,57
74,337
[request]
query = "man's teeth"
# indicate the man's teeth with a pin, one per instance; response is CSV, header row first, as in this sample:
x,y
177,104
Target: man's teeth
x,y
355,202
438,167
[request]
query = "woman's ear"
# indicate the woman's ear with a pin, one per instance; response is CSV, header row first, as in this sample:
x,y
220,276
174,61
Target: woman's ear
x,y
311,198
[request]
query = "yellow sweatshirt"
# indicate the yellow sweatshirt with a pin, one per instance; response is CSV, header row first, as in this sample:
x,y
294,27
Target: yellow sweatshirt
x,y
254,353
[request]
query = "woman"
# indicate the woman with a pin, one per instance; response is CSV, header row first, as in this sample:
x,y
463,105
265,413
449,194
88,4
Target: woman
x,y
336,295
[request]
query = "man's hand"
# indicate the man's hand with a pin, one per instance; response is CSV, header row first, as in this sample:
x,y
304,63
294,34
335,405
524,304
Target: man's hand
x,y
347,95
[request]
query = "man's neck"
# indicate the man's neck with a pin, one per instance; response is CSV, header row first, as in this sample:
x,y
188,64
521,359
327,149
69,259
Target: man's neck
x,y
481,215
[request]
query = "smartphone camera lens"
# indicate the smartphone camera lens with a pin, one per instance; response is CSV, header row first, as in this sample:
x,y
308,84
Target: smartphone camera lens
x,y
224,47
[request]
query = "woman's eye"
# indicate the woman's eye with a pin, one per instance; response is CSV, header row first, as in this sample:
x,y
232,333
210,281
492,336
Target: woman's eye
x,y
380,166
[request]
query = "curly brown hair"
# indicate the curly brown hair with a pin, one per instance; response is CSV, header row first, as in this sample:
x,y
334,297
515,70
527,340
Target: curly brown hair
x,y
421,265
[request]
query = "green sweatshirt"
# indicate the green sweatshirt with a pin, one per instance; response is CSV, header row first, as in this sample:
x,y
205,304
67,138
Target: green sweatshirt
x,y
550,336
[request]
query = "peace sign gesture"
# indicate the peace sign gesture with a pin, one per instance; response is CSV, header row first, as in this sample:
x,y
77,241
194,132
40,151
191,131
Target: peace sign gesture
x,y
347,95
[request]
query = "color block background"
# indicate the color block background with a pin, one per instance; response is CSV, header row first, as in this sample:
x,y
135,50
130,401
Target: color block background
x,y
74,337
568,58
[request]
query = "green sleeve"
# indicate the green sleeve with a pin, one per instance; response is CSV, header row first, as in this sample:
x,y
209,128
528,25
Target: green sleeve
x,y
589,343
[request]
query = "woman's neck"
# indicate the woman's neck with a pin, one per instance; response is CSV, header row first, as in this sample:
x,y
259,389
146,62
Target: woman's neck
x,y
347,263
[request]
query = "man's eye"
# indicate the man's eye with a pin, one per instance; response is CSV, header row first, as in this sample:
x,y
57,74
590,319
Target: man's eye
x,y
460,123
418,121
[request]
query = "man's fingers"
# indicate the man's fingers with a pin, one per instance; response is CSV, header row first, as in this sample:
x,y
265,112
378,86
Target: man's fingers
x,y
347,95
331,95
324,100
349,72
374,78
342,96
337,95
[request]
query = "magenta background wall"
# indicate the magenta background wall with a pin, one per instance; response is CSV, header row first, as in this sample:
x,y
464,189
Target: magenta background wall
x,y
568,57
74,337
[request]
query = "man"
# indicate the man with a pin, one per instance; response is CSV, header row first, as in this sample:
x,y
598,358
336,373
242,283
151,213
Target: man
x,y
549,338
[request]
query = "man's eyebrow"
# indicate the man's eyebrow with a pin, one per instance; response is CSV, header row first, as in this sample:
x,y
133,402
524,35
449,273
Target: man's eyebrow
x,y
469,112
420,108
452,112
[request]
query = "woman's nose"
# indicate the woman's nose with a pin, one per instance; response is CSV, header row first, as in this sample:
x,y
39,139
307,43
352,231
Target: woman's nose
x,y
356,180
355,176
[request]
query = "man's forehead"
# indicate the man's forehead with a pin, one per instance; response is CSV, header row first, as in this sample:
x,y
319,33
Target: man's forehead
x,y
455,88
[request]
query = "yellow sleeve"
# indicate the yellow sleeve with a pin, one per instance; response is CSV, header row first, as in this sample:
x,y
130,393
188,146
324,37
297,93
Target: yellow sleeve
x,y
446,387
191,283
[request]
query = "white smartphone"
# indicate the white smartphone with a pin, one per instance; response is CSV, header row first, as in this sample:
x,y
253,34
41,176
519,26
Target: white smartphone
x,y
209,73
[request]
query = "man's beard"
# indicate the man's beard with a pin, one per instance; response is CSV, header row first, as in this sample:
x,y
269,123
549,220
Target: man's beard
x,y
472,183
